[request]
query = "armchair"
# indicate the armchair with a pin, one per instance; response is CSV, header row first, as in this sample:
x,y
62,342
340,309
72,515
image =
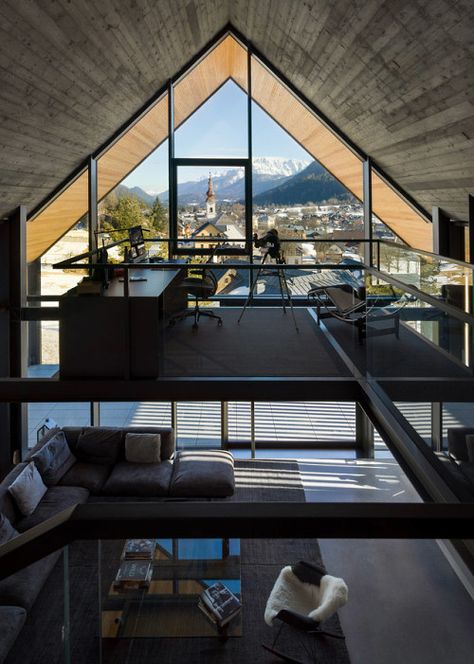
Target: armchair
x,y
304,597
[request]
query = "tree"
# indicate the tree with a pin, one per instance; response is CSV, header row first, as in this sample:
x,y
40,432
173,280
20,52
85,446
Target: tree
x,y
158,218
123,213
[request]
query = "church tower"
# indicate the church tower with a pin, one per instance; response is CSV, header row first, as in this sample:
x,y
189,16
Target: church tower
x,y
210,200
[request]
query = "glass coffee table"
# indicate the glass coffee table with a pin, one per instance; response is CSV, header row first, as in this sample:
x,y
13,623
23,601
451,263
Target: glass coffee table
x,y
167,603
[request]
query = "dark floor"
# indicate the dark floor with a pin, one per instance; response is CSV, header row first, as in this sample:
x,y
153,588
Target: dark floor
x,y
385,355
264,343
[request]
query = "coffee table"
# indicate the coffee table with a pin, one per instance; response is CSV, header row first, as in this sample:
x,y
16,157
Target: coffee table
x,y
181,570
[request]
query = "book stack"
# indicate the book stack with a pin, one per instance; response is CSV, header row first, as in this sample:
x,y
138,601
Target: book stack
x,y
139,549
219,604
133,575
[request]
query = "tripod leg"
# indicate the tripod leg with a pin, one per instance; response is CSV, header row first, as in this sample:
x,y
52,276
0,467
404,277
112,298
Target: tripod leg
x,y
288,293
252,289
280,279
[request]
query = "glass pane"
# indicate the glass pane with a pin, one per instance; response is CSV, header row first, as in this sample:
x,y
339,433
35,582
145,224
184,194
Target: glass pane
x,y
218,128
211,204
135,414
139,199
62,414
73,243
199,424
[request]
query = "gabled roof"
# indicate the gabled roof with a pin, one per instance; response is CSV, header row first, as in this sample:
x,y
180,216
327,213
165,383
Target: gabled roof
x,y
400,85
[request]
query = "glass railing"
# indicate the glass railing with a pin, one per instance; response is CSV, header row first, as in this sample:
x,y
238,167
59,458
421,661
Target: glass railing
x,y
174,599
448,280
408,336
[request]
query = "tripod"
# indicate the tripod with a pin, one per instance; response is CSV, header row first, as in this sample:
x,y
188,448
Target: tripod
x,y
284,290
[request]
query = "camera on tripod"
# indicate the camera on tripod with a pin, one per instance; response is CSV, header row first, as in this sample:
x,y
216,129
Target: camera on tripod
x,y
270,243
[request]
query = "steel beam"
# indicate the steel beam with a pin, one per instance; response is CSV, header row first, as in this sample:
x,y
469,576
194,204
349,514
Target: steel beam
x,y
368,226
364,433
98,521
215,389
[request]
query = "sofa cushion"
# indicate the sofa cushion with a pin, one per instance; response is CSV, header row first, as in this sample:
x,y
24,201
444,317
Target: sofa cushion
x,y
201,473
7,504
100,445
167,434
91,476
41,443
12,619
54,459
57,499
139,479
28,489
142,447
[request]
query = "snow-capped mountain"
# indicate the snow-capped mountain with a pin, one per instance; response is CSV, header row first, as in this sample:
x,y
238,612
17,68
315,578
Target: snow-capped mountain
x,y
278,166
268,172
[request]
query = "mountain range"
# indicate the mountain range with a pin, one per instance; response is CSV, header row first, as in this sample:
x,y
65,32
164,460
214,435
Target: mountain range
x,y
312,184
267,172
275,180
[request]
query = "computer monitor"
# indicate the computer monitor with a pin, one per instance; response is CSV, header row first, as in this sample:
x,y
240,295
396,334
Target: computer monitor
x,y
137,243
135,236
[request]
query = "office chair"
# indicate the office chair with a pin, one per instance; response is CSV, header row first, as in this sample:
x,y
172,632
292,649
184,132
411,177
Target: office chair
x,y
303,598
201,284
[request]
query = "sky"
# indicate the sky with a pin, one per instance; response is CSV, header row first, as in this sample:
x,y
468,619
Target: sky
x,y
217,129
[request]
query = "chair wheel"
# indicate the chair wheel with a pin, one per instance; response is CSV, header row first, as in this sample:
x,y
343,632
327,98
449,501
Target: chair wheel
x,y
219,323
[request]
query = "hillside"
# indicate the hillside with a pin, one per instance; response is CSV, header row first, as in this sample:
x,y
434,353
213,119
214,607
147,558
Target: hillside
x,y
313,184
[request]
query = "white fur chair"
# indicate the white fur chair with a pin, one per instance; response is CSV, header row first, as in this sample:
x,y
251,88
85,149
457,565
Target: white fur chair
x,y
303,597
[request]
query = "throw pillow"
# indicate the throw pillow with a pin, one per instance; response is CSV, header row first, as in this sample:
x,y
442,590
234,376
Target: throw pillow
x,y
28,489
7,531
470,448
143,447
54,459
102,446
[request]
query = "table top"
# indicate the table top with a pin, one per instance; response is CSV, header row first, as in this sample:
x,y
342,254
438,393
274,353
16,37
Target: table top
x,y
181,570
143,282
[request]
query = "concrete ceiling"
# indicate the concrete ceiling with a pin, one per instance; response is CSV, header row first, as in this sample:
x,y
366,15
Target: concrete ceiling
x,y
396,76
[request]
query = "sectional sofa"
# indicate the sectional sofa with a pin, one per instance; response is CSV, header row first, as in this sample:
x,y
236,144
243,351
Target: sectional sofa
x,y
80,464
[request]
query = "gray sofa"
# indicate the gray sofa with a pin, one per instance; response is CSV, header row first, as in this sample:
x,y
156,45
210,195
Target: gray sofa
x,y
100,472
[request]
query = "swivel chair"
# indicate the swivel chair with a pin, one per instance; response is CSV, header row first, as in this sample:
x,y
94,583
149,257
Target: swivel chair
x,y
304,597
201,284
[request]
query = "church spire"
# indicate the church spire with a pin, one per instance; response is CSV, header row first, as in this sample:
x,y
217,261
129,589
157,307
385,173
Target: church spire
x,y
210,199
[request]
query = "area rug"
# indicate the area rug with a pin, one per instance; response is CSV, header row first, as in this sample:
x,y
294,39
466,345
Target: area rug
x,y
261,561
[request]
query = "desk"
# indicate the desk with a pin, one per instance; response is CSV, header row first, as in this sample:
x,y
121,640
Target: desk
x,y
113,336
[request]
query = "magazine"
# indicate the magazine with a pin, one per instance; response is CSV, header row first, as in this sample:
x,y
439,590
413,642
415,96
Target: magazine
x,y
221,602
133,574
139,549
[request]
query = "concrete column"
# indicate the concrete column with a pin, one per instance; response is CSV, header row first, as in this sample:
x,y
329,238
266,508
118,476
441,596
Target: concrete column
x,y
34,327
448,237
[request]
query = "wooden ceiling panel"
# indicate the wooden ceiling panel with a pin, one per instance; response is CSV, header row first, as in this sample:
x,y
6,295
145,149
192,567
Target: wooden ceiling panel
x,y
227,60
390,208
57,218
336,157
133,147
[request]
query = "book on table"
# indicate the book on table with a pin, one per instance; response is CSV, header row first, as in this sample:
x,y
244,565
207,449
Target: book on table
x,y
139,549
221,603
133,575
